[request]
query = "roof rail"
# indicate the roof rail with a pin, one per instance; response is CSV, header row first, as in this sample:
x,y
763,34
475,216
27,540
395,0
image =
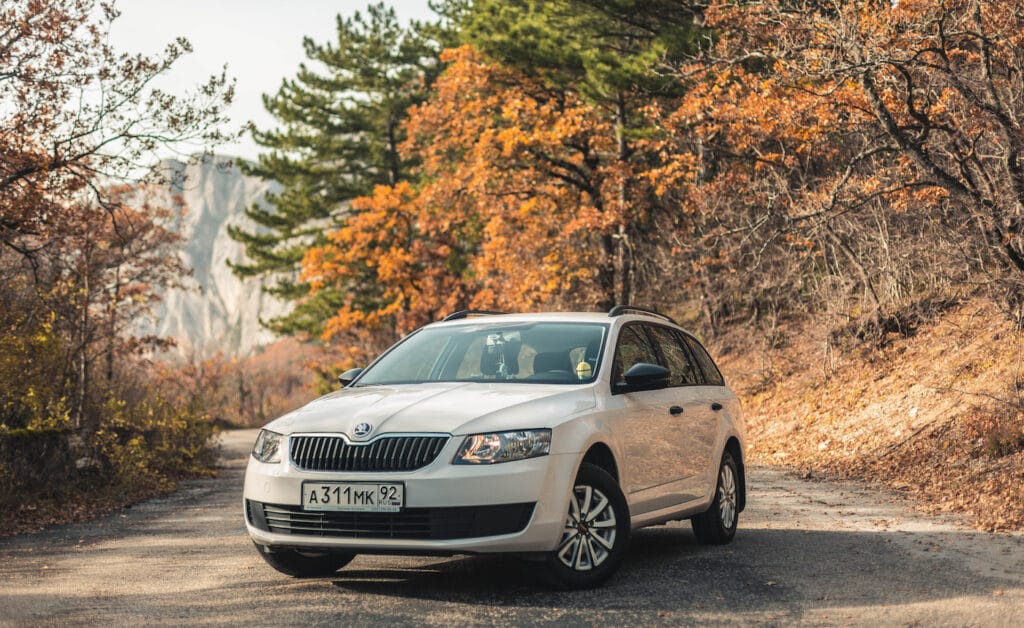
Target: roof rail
x,y
467,313
619,310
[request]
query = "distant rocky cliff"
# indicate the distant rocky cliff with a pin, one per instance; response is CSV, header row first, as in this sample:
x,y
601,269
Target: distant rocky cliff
x,y
217,312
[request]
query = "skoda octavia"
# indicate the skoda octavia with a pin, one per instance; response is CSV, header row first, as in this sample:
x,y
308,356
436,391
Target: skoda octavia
x,y
551,436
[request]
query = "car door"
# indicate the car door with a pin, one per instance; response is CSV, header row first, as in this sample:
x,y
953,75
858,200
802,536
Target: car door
x,y
695,426
716,399
649,427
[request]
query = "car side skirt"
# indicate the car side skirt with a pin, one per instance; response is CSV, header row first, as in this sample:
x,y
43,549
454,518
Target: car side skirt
x,y
672,513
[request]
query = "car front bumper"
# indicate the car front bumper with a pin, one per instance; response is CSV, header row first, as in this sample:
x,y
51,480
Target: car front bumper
x,y
508,507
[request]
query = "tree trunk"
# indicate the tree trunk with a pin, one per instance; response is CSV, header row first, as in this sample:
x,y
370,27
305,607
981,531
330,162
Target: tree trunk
x,y
394,165
865,277
115,292
606,274
83,331
623,247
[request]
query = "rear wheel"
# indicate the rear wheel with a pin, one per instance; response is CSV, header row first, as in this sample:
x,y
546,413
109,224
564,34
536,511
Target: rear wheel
x,y
717,525
596,532
301,564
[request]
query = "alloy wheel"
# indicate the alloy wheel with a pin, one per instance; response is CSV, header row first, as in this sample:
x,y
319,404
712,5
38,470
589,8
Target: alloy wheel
x,y
727,496
590,529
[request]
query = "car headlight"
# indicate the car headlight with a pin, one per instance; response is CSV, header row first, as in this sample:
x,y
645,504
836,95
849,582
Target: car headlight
x,y
503,447
268,447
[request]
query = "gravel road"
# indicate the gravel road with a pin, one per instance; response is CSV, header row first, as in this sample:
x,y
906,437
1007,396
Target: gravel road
x,y
806,553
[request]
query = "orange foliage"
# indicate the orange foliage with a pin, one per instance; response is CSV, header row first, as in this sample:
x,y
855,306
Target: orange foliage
x,y
809,145
915,104
413,252
515,208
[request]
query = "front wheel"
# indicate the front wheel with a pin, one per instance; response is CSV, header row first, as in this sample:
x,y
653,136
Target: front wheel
x,y
596,532
304,564
717,525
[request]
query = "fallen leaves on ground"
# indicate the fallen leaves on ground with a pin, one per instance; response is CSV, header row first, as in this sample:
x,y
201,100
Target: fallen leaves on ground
x,y
931,417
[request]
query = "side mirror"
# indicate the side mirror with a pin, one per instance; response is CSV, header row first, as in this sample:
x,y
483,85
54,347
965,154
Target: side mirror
x,y
644,376
346,378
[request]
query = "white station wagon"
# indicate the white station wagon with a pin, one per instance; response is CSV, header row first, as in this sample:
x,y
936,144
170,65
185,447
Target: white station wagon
x,y
551,436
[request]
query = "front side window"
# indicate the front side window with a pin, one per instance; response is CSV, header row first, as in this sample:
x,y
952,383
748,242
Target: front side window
x,y
632,347
554,353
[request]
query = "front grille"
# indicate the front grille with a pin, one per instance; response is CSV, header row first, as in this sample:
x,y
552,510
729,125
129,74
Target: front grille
x,y
438,524
390,453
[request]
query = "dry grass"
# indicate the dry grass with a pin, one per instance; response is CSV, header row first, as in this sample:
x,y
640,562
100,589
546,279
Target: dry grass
x,y
935,416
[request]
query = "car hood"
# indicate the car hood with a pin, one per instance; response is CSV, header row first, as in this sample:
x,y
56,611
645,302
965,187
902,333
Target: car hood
x,y
454,408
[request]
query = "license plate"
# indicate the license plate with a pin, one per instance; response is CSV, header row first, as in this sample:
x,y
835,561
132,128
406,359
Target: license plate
x,y
353,496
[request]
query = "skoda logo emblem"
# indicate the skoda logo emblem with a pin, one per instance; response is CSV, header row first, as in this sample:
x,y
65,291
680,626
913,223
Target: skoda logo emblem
x,y
363,429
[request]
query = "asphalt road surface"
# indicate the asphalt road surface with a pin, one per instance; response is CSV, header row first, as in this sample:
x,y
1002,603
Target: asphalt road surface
x,y
806,553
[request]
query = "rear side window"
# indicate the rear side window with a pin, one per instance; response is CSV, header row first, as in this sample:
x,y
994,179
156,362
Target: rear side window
x,y
711,373
677,359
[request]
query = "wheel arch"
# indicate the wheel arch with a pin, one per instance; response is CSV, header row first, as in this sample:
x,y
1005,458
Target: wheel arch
x,y
600,455
733,447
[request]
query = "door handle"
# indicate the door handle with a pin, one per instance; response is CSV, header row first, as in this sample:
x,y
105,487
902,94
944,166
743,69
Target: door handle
x,y
675,410
716,406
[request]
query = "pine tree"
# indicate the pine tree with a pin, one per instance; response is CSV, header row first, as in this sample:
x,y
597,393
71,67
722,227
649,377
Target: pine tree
x,y
601,48
340,125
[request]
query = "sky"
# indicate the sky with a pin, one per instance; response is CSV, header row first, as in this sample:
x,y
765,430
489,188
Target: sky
x,y
259,40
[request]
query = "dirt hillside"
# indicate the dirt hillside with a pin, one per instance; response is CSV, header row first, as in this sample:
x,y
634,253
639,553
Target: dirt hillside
x,y
935,416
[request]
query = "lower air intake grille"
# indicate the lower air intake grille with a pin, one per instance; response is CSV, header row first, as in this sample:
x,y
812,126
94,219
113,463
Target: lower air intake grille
x,y
391,453
461,522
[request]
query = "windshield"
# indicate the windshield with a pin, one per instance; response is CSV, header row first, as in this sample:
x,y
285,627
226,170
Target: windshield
x,y
552,353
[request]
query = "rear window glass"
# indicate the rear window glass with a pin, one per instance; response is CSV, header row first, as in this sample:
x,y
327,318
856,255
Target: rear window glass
x,y
711,373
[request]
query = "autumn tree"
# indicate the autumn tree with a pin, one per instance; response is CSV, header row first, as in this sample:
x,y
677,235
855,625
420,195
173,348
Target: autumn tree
x,y
761,166
838,148
340,126
510,210
76,112
105,276
416,258
78,121
613,56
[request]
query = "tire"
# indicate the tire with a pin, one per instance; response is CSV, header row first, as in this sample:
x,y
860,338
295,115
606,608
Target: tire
x,y
304,564
717,525
596,534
